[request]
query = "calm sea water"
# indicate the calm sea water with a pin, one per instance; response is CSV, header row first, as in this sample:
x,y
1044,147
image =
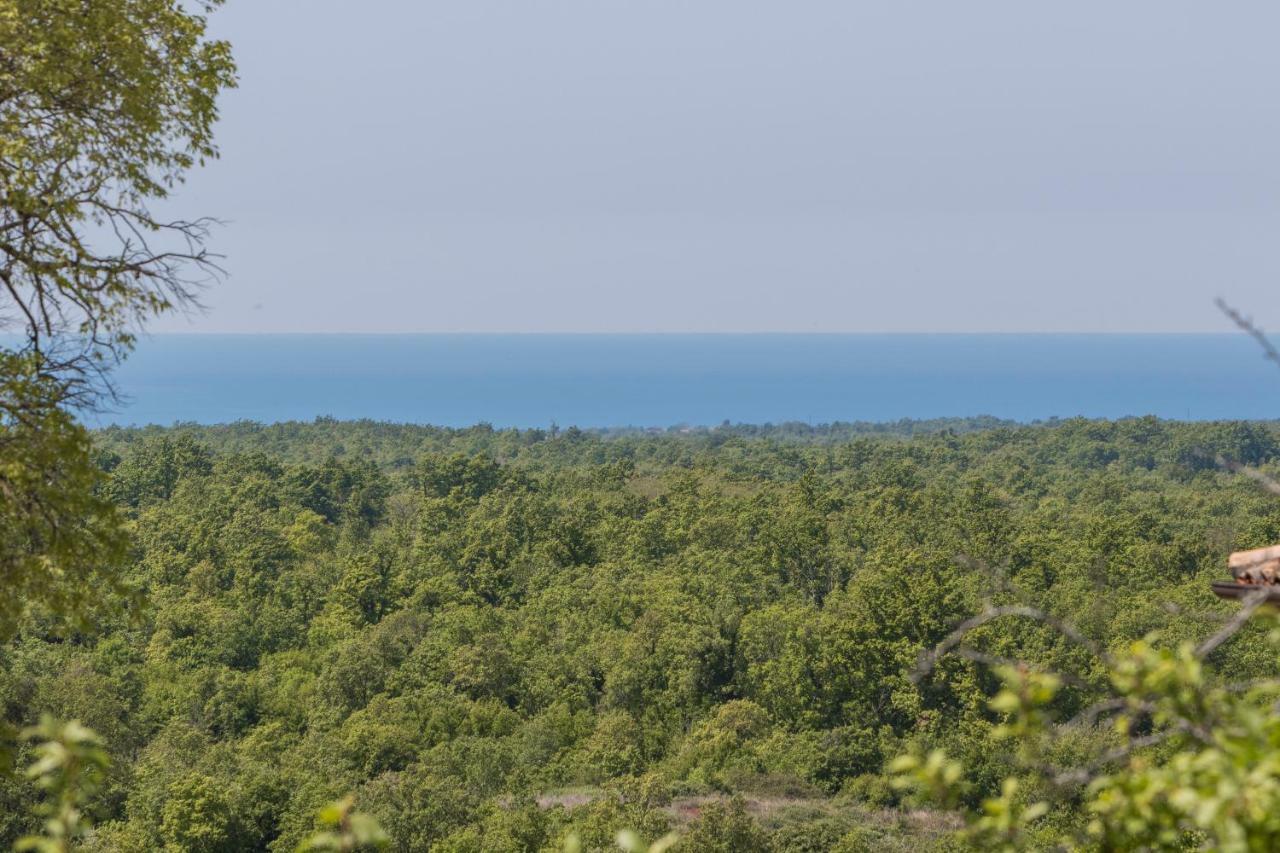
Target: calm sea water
x,y
663,380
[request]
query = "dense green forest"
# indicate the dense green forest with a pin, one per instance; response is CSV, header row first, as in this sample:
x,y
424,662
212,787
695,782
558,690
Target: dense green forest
x,y
496,638
354,636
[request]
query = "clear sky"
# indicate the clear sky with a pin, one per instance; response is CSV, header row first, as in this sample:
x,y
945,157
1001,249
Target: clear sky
x,y
735,165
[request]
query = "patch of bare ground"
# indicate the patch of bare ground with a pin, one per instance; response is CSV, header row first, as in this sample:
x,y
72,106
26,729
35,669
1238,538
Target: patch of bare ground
x,y
774,811
569,799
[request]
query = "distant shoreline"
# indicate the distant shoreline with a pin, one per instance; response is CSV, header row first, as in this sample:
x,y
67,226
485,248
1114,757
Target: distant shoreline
x,y
817,433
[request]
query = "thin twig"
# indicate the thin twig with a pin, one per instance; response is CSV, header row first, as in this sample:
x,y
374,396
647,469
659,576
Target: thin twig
x,y
1087,772
1250,328
929,659
1084,774
1089,715
995,660
1252,602
1267,482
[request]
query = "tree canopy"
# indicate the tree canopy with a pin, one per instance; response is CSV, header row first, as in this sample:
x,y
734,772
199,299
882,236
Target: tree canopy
x,y
508,640
104,106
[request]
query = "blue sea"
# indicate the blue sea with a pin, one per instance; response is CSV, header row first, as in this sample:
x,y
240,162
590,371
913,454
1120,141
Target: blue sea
x,y
666,380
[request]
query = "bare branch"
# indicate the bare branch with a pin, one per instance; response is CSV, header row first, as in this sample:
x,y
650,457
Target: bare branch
x,y
1246,325
929,659
1250,605
1267,482
1089,715
1080,775
995,660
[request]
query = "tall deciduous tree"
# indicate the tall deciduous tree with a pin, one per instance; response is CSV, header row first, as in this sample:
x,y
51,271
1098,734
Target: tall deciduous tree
x,y
104,106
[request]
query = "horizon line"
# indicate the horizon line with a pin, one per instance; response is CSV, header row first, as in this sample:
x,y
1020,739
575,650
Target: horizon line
x,y
690,333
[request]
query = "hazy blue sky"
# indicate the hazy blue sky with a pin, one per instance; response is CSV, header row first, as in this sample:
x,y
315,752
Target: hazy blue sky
x,y
732,165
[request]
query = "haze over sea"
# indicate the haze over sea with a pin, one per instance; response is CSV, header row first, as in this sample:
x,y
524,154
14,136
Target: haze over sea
x,y
671,379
